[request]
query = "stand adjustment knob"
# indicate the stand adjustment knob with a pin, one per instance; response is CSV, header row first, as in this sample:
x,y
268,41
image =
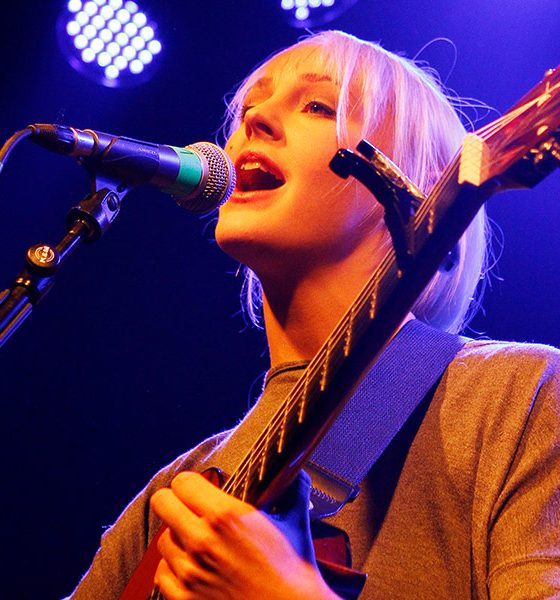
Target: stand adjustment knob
x,y
43,259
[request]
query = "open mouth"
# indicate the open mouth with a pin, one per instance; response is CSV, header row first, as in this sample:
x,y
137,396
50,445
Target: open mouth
x,y
257,174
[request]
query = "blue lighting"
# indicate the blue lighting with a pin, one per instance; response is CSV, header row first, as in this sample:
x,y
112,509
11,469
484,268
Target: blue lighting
x,y
305,13
110,41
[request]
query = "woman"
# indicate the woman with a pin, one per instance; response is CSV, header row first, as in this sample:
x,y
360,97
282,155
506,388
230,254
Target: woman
x,y
465,503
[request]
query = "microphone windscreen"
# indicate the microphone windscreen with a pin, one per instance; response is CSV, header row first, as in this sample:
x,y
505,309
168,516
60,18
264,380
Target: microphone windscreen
x,y
217,183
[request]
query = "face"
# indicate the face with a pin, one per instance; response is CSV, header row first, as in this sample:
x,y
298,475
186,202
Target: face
x,y
289,211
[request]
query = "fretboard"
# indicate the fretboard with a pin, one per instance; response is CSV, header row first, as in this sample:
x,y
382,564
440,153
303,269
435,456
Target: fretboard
x,y
291,435
484,166
530,129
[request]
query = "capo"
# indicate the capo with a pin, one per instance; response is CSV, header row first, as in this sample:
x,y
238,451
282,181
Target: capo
x,y
398,195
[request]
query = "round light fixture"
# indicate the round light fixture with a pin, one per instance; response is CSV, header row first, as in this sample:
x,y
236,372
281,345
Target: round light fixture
x,y
311,13
110,41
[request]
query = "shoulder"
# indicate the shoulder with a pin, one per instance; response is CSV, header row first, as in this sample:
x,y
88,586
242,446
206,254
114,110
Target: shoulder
x,y
495,414
497,349
192,460
496,394
124,543
498,363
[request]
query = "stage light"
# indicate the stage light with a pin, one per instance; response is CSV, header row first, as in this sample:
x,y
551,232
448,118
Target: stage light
x,y
310,13
110,41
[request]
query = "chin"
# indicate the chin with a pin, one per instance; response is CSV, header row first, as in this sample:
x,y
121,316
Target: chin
x,y
262,254
236,240
238,229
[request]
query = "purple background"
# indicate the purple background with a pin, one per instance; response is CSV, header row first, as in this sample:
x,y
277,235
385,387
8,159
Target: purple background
x,y
140,351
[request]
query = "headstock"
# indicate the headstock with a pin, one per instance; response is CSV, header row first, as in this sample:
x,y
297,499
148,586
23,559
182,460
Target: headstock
x,y
522,146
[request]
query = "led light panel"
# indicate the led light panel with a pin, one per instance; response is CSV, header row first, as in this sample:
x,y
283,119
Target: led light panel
x,y
110,41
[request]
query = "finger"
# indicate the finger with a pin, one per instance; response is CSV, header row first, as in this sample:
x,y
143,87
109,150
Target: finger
x,y
204,498
188,537
169,585
183,573
183,561
173,512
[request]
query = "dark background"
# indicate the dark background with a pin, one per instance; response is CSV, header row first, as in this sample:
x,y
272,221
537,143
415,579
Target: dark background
x,y
140,350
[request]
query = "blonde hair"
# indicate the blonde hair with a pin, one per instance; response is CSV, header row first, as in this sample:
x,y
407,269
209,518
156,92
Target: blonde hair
x,y
425,132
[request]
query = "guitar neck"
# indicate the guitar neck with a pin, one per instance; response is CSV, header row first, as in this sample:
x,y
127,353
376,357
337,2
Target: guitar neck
x,y
516,150
375,315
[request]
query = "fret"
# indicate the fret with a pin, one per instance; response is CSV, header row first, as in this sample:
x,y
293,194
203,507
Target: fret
x,y
247,478
264,453
325,367
349,330
243,496
421,230
230,484
414,240
236,485
373,301
282,437
431,218
301,409
303,397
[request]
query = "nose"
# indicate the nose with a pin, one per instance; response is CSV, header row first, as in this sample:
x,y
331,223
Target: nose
x,y
264,121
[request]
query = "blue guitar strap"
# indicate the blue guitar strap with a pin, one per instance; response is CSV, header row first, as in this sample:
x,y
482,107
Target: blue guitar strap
x,y
404,374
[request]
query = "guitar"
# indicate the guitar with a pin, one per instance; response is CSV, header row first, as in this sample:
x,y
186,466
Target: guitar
x,y
515,151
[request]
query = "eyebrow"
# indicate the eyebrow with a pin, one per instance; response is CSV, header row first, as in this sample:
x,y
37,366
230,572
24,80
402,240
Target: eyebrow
x,y
315,77
309,77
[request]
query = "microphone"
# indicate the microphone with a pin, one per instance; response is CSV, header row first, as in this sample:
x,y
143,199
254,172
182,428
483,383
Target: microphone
x,y
200,177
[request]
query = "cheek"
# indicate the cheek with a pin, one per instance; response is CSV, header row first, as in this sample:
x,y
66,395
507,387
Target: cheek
x,y
358,210
332,214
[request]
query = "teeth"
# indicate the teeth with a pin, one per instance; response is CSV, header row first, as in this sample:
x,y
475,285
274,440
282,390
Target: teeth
x,y
251,165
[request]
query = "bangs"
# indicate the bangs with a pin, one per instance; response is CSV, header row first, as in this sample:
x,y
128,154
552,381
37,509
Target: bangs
x,y
280,64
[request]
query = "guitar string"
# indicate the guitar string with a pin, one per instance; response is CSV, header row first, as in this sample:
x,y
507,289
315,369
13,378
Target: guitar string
x,y
339,333
288,407
341,330
419,219
313,369
484,133
294,399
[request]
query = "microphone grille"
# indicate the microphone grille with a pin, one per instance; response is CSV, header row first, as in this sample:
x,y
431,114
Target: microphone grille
x,y
218,180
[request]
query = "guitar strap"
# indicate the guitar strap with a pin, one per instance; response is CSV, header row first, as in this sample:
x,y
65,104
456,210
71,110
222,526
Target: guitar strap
x,y
404,374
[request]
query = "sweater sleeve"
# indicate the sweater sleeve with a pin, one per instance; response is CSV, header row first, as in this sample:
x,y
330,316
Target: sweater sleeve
x,y
124,543
524,529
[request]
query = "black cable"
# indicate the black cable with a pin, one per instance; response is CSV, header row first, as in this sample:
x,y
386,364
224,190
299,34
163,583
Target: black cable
x,y
11,144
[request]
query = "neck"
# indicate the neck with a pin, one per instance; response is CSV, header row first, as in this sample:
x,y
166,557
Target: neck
x,y
300,315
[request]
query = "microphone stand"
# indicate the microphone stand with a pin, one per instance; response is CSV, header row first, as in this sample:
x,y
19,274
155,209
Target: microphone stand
x,y
86,222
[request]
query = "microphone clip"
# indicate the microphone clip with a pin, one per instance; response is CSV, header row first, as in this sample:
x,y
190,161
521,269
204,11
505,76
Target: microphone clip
x,y
86,222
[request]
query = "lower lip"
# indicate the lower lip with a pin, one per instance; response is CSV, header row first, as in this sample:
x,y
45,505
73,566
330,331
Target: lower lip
x,y
248,195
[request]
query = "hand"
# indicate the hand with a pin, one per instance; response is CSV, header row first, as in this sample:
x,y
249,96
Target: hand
x,y
217,547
